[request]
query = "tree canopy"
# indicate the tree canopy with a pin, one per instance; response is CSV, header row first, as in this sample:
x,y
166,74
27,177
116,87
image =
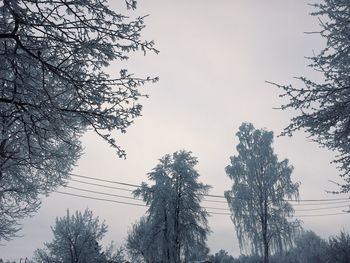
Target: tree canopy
x,y
76,239
257,199
175,223
53,87
323,107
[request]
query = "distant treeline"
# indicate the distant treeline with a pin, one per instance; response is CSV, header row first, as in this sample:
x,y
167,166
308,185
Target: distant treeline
x,y
308,248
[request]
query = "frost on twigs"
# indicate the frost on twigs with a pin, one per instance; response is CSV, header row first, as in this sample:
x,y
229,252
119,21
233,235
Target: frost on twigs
x,y
323,108
53,87
261,184
175,226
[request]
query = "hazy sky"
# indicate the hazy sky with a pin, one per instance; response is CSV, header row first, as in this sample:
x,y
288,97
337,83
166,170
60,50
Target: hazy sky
x,y
215,58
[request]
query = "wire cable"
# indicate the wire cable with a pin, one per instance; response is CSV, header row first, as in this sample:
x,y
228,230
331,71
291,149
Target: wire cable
x,y
101,199
103,180
315,215
102,193
126,184
209,195
210,212
215,208
206,200
101,185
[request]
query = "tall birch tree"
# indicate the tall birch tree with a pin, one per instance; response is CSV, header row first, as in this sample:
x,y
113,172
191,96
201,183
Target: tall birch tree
x,y
257,199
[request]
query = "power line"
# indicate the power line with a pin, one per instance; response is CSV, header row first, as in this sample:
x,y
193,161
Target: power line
x,y
127,197
104,199
320,200
323,203
101,199
102,193
208,195
214,208
126,184
322,208
334,214
101,185
315,215
210,212
107,181
129,190
206,200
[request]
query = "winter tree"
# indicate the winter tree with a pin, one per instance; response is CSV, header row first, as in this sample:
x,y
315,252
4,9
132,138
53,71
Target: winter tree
x,y
323,107
76,239
114,254
339,248
221,257
142,244
176,222
54,87
309,248
257,200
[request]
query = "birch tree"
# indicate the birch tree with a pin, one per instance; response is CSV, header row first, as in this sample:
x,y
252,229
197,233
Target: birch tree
x,y
176,219
257,199
323,107
53,87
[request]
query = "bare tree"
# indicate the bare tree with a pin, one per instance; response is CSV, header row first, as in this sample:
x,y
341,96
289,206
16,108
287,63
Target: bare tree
x,y
53,87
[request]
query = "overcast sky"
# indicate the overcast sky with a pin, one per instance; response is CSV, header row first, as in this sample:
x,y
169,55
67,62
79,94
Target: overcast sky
x,y
215,57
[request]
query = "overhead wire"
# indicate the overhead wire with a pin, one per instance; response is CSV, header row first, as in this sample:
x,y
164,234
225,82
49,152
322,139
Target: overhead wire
x,y
106,181
101,185
214,208
314,215
208,195
98,192
101,199
210,212
122,196
206,200
323,201
127,184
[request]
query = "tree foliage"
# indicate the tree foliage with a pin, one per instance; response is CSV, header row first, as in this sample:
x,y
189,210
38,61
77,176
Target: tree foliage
x,y
221,256
53,87
339,248
257,200
175,223
141,244
308,248
76,238
323,107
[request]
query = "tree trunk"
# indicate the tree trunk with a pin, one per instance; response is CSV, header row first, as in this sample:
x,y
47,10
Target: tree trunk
x,y
177,221
166,252
265,239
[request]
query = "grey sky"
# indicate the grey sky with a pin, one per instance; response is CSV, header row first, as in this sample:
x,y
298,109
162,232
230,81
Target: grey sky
x,y
215,57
